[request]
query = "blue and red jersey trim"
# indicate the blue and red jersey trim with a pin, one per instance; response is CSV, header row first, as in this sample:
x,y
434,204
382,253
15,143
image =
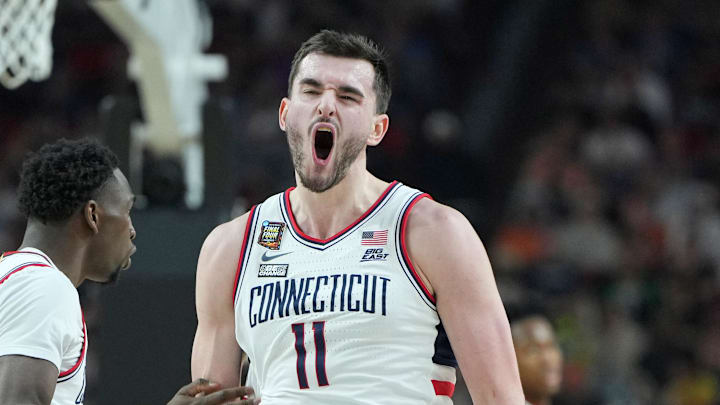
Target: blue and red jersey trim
x,y
13,252
70,373
22,267
287,208
403,246
247,240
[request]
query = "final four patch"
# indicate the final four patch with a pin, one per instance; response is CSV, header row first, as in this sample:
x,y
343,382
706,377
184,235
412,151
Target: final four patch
x,y
271,234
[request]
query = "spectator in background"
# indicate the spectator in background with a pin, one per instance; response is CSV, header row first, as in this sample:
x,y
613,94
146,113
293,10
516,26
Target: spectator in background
x,y
539,358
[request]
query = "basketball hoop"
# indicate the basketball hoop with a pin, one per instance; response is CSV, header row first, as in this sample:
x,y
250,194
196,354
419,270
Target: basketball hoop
x,y
25,42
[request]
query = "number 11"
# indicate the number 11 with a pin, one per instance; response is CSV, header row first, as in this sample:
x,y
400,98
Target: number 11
x,y
319,334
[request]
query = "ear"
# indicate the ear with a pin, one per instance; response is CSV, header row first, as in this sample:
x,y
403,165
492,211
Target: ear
x,y
91,216
282,112
380,127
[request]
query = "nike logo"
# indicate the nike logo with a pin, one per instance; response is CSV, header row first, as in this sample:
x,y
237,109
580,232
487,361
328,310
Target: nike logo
x,y
267,258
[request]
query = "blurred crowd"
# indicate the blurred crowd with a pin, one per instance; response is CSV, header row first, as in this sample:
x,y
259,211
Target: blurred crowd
x,y
611,225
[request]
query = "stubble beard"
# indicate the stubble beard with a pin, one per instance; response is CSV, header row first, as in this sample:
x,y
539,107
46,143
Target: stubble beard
x,y
347,152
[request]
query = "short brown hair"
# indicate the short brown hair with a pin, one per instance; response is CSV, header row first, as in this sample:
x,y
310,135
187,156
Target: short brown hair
x,y
339,44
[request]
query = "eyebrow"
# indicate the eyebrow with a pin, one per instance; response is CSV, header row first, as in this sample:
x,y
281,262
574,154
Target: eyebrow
x,y
343,89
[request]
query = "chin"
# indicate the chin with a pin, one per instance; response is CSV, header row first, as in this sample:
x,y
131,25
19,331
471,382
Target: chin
x,y
318,183
112,278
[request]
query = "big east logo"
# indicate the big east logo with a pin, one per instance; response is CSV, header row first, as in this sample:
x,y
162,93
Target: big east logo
x,y
374,255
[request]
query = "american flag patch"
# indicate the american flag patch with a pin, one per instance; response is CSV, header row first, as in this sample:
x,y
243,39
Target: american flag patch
x,y
374,238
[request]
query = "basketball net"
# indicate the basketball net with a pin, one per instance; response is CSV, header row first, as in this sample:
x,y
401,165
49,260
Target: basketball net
x,y
25,43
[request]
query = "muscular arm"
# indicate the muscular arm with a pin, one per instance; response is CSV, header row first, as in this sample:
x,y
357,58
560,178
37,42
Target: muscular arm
x,y
26,380
453,263
215,353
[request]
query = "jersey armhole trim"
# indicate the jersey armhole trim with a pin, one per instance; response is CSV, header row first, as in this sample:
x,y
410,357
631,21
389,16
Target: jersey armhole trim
x,y
243,251
70,372
403,246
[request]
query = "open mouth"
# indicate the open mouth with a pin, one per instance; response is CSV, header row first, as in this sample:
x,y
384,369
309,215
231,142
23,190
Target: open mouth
x,y
323,144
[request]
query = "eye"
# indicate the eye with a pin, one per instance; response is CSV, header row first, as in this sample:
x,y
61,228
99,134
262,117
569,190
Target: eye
x,y
310,91
348,98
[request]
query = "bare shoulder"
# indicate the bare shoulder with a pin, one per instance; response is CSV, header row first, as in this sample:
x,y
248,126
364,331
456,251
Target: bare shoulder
x,y
217,263
228,234
440,240
431,220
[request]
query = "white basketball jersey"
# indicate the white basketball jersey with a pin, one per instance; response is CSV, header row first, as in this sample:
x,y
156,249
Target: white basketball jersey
x,y
339,321
40,317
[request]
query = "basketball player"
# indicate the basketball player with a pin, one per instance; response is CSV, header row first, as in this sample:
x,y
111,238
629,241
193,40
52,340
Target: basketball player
x,y
348,289
78,207
539,358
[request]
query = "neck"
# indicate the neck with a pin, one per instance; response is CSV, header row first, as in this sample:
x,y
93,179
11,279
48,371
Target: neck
x,y
322,215
59,244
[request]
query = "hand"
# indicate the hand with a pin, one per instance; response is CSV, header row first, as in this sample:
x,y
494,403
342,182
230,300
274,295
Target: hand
x,y
203,392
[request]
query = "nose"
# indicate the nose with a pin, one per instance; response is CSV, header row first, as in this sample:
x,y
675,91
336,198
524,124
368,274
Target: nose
x,y
132,232
326,106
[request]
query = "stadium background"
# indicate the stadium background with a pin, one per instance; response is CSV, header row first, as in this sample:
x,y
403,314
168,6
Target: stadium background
x,y
581,138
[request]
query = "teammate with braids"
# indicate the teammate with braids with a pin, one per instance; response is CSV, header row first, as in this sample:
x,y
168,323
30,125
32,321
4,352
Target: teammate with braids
x,y
77,203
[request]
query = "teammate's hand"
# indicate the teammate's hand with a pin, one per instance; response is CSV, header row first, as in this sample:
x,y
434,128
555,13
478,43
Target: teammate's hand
x,y
203,392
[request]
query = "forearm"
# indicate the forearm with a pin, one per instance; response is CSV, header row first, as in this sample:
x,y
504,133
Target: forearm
x,y
489,365
216,359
